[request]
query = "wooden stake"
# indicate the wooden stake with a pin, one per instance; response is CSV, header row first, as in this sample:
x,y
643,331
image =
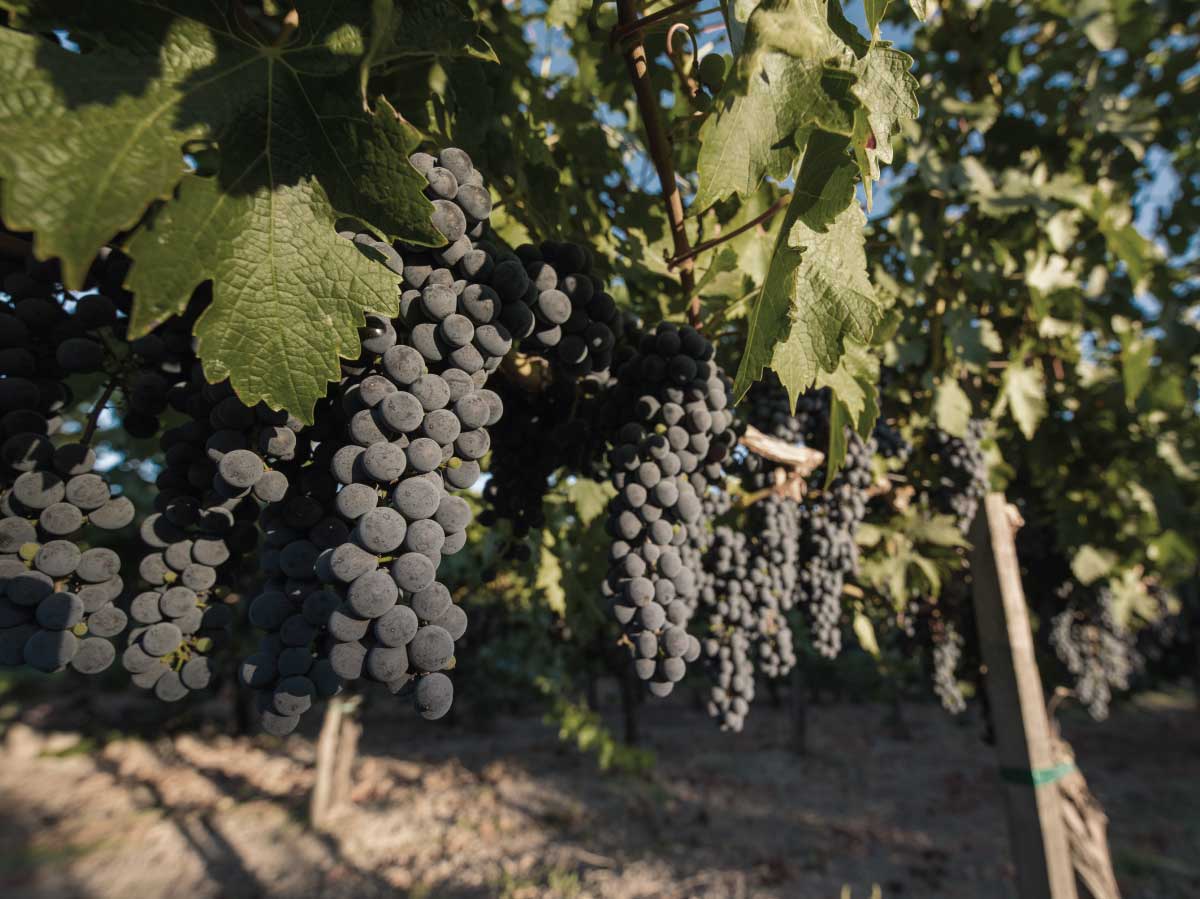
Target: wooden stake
x,y
337,749
1023,744
320,801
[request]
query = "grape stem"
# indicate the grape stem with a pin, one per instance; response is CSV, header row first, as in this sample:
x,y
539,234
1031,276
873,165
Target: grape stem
x,y
730,235
658,143
93,418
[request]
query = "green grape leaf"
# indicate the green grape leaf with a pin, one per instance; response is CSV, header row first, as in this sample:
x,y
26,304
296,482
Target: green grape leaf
x,y
874,11
817,291
951,408
723,277
939,530
854,402
296,152
974,341
1136,356
887,91
865,632
1023,393
590,499
1090,564
444,28
791,77
550,575
922,9
288,294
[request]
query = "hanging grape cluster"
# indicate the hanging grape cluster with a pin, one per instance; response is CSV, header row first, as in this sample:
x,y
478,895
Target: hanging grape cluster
x,y
1098,653
672,432
961,473
58,590
829,520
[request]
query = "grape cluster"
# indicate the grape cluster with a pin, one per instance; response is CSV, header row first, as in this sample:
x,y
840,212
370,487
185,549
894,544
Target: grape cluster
x,y
947,655
777,561
890,443
768,408
58,604
962,473
355,542
354,548
727,599
819,533
557,426
560,422
453,298
568,317
829,521
1097,651
157,360
176,630
220,464
675,436
750,576
57,595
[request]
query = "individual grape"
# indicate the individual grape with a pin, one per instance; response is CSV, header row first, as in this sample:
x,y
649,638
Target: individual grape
x,y
431,648
58,558
241,468
161,639
50,650
93,654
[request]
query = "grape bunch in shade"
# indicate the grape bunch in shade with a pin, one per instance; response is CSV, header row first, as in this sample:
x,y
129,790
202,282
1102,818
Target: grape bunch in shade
x,y
750,573
672,431
564,313
355,541
59,586
1100,655
961,473
556,413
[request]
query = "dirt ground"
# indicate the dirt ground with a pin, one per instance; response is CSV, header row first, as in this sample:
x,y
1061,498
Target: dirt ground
x,y
446,811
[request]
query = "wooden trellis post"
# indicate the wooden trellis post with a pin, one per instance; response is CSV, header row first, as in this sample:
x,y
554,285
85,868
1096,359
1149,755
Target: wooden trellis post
x,y
1023,742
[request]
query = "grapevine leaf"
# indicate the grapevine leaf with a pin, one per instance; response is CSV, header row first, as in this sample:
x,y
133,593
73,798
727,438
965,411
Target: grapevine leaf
x,y
887,91
288,294
940,530
974,341
854,402
1136,356
951,408
874,11
590,499
550,575
865,632
792,77
296,152
723,277
1090,564
1023,393
817,291
839,440
922,9
436,28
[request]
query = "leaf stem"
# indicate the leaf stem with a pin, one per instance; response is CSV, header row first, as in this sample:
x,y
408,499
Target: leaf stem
x,y
93,418
659,145
730,235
